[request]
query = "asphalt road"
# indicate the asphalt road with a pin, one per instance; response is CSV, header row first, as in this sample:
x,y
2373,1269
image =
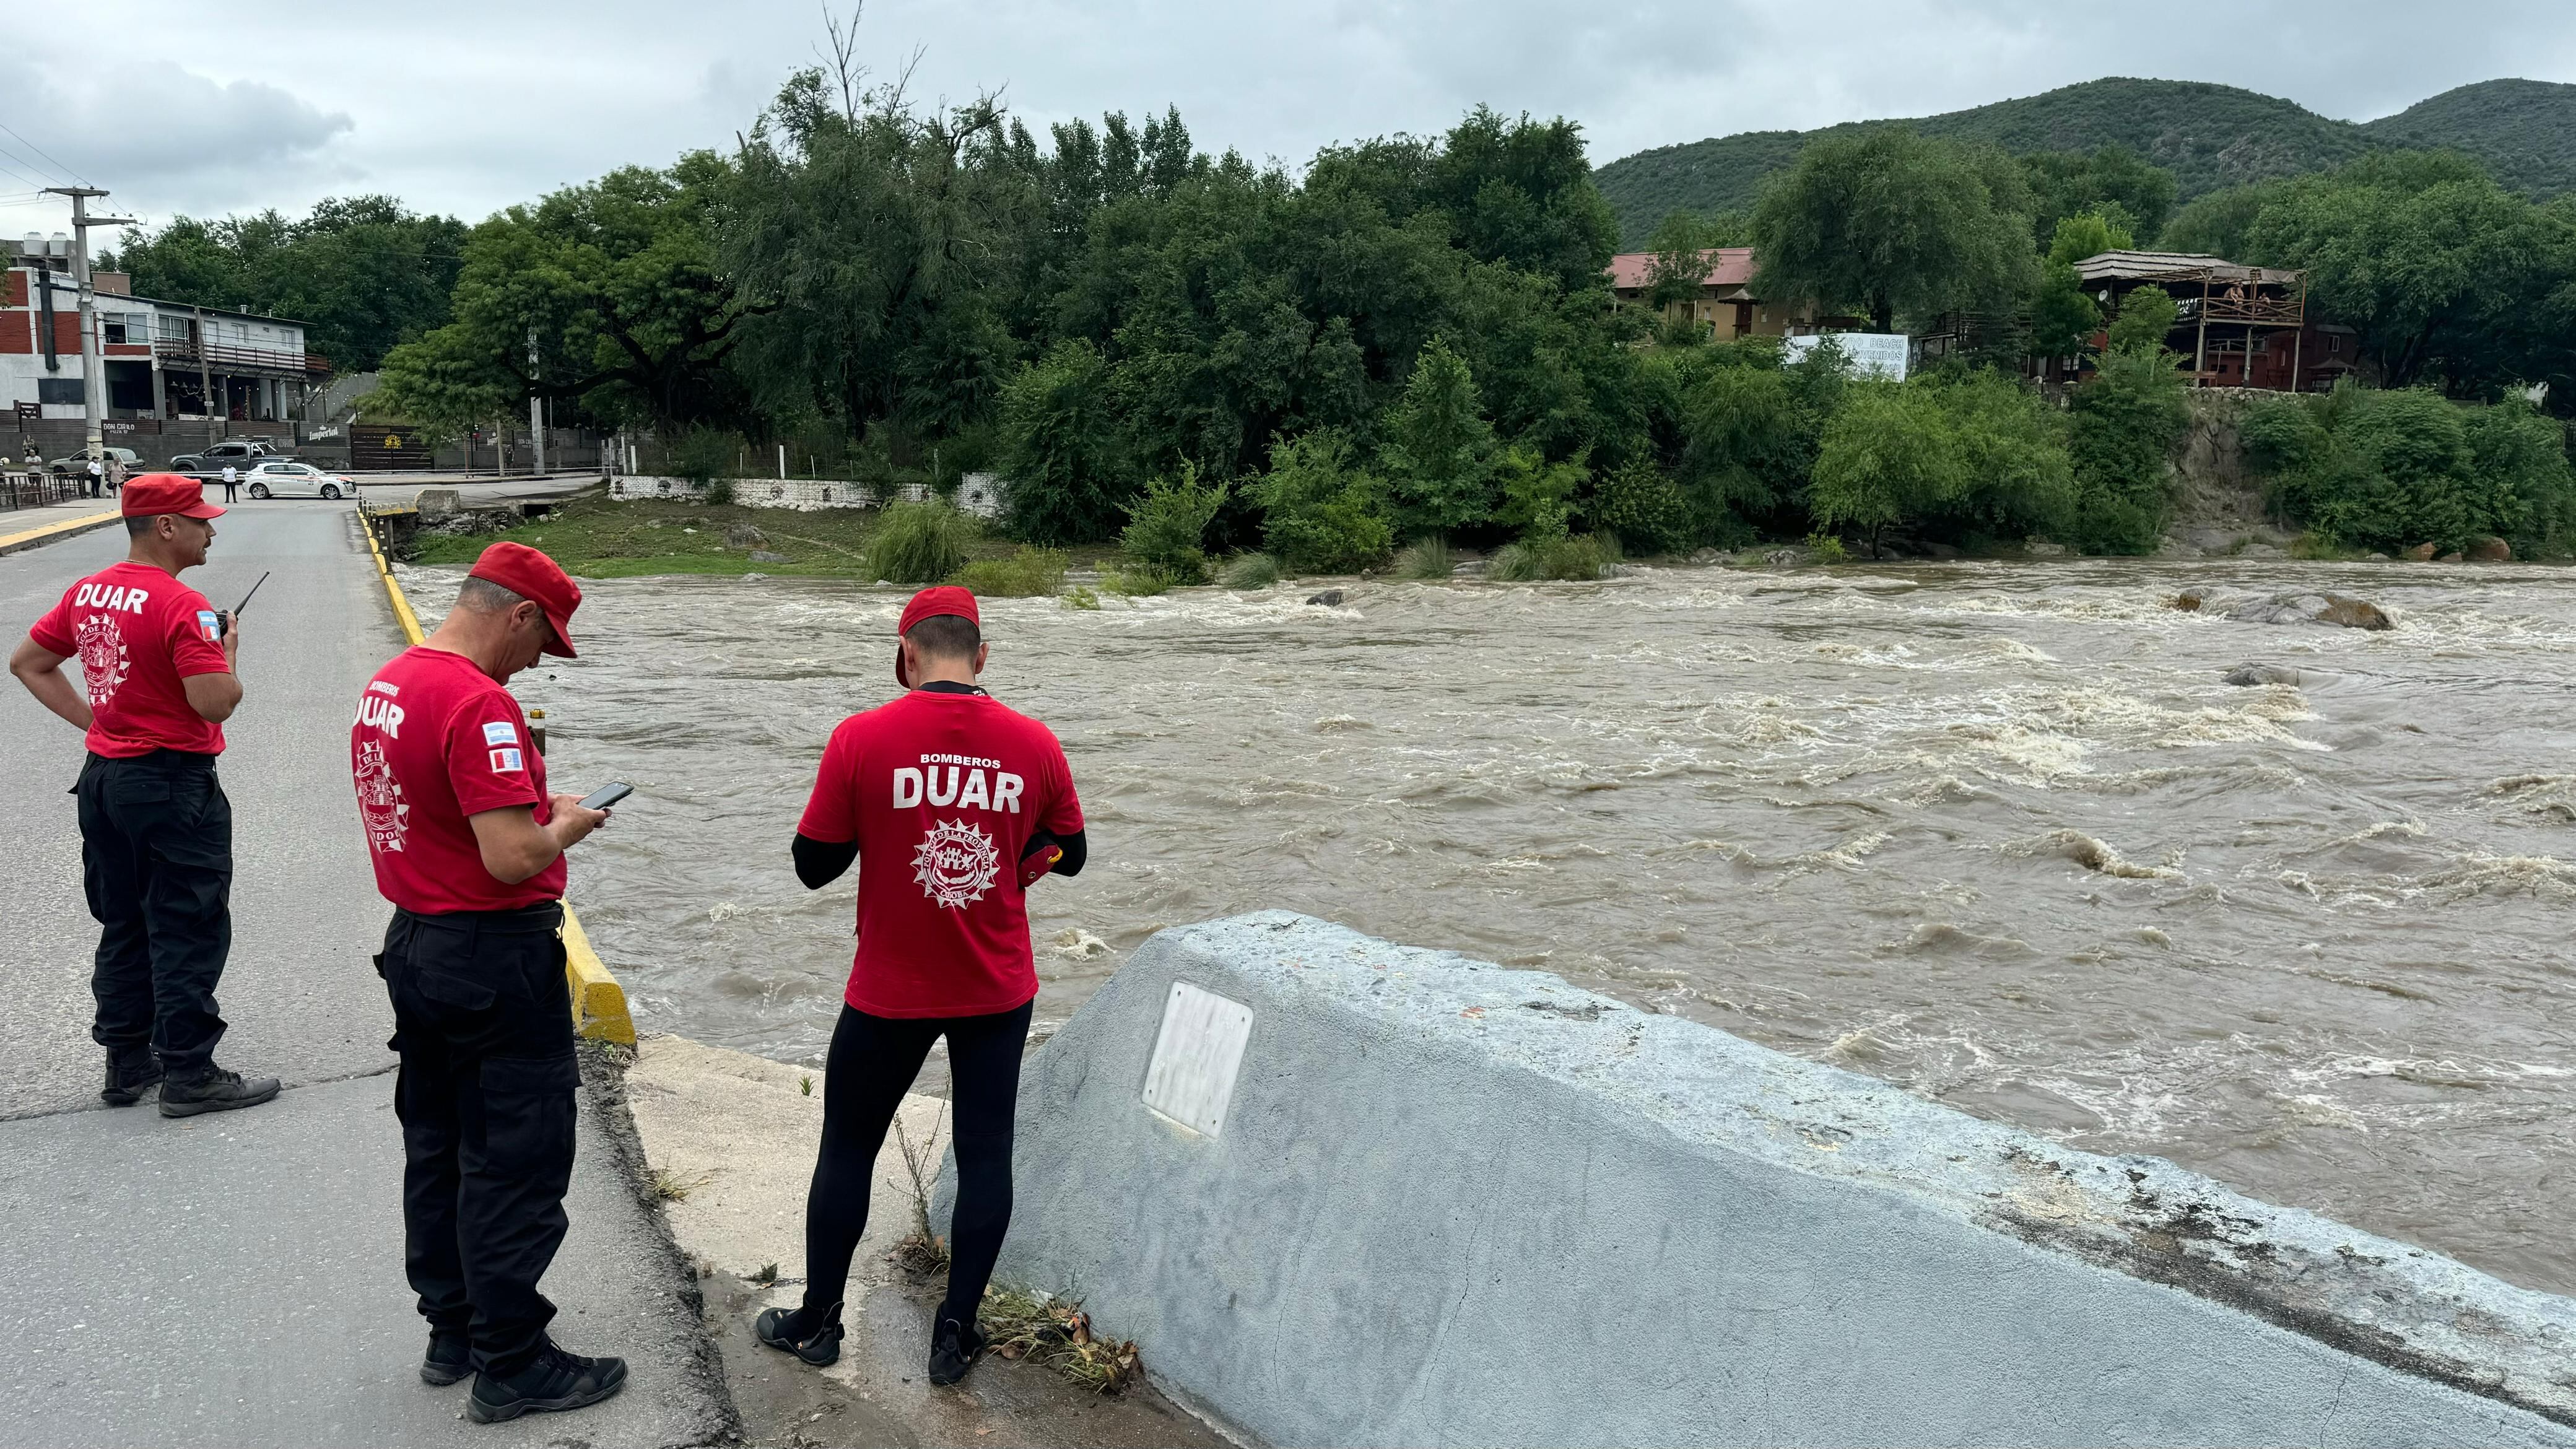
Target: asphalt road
x,y
237,1278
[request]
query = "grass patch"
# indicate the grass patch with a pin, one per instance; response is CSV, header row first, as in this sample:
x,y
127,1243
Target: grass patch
x,y
598,537
2314,545
919,543
1428,559
669,1186
1582,556
1030,573
1056,1334
1137,581
921,1251
1081,597
1247,571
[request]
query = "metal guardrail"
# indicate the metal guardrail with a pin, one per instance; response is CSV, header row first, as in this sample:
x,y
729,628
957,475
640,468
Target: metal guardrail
x,y
36,490
218,354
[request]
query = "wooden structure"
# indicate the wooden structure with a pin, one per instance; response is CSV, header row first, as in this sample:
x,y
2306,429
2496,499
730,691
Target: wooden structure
x,y
2241,326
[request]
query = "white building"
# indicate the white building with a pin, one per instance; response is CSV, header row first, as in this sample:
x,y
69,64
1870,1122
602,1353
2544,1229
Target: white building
x,y
162,359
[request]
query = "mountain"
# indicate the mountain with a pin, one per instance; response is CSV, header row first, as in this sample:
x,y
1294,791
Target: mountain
x,y
2525,131
2209,136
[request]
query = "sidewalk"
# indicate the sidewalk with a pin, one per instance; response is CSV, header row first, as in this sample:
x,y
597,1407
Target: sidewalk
x,y
237,1279
47,523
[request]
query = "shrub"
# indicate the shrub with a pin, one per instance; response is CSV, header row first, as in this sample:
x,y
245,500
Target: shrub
x,y
1080,597
1828,548
2388,470
1573,557
720,491
1139,581
1324,514
1027,573
703,455
1167,523
1251,571
1538,496
2122,425
1642,507
918,543
1428,559
1440,452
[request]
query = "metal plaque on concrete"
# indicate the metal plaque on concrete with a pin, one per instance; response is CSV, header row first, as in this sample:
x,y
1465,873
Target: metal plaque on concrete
x,y
1191,1079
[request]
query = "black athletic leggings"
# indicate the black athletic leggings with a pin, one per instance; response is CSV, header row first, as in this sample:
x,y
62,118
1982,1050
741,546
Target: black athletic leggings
x,y
871,1066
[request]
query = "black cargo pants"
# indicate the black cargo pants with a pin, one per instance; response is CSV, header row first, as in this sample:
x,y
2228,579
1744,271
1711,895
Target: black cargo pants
x,y
157,866
483,1023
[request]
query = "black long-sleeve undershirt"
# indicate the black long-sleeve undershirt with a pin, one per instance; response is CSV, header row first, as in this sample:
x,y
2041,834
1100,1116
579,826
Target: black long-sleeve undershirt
x,y
821,862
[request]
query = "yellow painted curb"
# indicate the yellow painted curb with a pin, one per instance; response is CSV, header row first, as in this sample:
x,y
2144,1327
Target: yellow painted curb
x,y
598,1002
82,524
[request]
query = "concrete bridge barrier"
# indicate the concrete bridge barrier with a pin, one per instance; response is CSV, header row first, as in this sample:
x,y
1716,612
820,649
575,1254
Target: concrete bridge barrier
x,y
1346,1192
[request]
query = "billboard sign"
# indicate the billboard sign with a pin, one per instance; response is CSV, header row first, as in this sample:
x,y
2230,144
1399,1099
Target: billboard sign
x,y
1871,354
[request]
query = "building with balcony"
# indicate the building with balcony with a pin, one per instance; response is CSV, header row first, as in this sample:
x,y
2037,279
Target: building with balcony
x,y
162,360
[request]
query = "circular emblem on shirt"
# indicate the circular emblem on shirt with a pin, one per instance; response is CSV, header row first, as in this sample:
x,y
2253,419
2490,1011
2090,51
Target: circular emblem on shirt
x,y
102,656
956,864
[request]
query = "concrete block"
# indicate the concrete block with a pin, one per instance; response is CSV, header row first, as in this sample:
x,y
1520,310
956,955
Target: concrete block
x,y
1439,1202
438,502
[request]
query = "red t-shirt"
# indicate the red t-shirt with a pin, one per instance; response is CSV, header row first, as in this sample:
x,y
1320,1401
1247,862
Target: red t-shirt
x,y
138,632
437,740
942,792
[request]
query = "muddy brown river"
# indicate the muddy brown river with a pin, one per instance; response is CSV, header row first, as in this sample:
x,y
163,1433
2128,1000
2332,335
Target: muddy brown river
x,y
1997,833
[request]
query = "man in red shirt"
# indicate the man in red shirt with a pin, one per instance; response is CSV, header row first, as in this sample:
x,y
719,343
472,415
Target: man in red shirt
x,y
156,830
954,805
468,845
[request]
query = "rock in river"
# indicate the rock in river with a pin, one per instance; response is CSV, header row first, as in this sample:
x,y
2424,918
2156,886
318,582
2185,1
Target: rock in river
x,y
2253,674
1328,598
2341,609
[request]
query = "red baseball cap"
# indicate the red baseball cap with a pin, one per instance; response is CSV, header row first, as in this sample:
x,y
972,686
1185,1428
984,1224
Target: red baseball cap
x,y
150,495
531,575
933,602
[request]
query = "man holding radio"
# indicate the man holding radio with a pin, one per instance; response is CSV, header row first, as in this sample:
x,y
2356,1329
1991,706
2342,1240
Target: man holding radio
x,y
468,846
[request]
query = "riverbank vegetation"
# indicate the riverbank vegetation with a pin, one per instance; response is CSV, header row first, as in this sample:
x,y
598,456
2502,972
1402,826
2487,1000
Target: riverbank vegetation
x,y
1409,343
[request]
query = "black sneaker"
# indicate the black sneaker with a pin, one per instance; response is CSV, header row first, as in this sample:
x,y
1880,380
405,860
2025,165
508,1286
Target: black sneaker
x,y
214,1090
450,1357
554,1380
953,1350
131,1071
810,1335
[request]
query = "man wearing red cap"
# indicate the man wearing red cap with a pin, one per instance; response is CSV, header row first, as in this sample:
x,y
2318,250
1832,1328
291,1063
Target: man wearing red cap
x,y
468,845
156,830
954,805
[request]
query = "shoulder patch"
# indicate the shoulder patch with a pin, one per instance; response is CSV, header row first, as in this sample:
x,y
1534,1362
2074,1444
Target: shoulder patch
x,y
207,621
500,732
506,762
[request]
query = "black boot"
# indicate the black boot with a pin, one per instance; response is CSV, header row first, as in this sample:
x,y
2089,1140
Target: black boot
x,y
131,1071
213,1090
813,1335
551,1381
450,1357
954,1347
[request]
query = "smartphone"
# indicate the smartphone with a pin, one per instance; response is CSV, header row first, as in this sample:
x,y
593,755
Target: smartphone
x,y
606,795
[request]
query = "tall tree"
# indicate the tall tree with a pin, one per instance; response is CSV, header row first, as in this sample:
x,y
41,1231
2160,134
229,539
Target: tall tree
x,y
1440,453
1520,192
1891,222
2109,181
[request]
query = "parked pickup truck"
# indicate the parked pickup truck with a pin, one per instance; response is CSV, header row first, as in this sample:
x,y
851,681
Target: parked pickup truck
x,y
241,453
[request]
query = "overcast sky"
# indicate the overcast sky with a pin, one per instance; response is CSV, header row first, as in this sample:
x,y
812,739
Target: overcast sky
x,y
473,104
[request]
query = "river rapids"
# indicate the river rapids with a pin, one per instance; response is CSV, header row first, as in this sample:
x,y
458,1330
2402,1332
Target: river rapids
x,y
1997,833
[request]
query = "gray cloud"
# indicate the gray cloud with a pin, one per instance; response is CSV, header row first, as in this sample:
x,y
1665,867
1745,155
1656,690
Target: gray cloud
x,y
502,101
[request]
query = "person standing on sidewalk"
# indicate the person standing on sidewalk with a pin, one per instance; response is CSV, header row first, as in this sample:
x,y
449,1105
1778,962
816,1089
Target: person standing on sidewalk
x,y
97,478
954,805
469,846
232,481
156,831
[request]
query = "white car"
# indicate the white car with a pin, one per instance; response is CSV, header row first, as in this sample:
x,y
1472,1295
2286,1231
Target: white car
x,y
279,479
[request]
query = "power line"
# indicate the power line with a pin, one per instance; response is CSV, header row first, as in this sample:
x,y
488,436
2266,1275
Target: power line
x,y
41,151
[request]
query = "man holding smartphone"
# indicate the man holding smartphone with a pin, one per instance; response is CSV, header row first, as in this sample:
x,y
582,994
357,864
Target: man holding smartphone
x,y
468,846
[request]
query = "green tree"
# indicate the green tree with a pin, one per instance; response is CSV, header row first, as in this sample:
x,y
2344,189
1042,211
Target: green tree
x,y
1889,456
1680,268
617,281
1538,496
2123,422
1064,449
1440,450
1323,513
1892,222
2106,181
1168,522
2147,316
2218,224
2062,318
1520,192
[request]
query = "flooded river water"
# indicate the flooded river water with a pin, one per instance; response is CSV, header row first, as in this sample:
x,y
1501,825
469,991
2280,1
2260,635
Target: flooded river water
x,y
1999,834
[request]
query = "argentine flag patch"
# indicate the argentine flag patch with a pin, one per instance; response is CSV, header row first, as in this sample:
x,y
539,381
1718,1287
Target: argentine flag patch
x,y
207,621
500,732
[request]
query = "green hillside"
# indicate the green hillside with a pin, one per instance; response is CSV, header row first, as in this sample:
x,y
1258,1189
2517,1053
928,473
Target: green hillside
x,y
2525,131
2209,136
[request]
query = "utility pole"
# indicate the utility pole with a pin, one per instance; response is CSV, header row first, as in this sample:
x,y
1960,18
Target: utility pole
x,y
536,405
93,367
